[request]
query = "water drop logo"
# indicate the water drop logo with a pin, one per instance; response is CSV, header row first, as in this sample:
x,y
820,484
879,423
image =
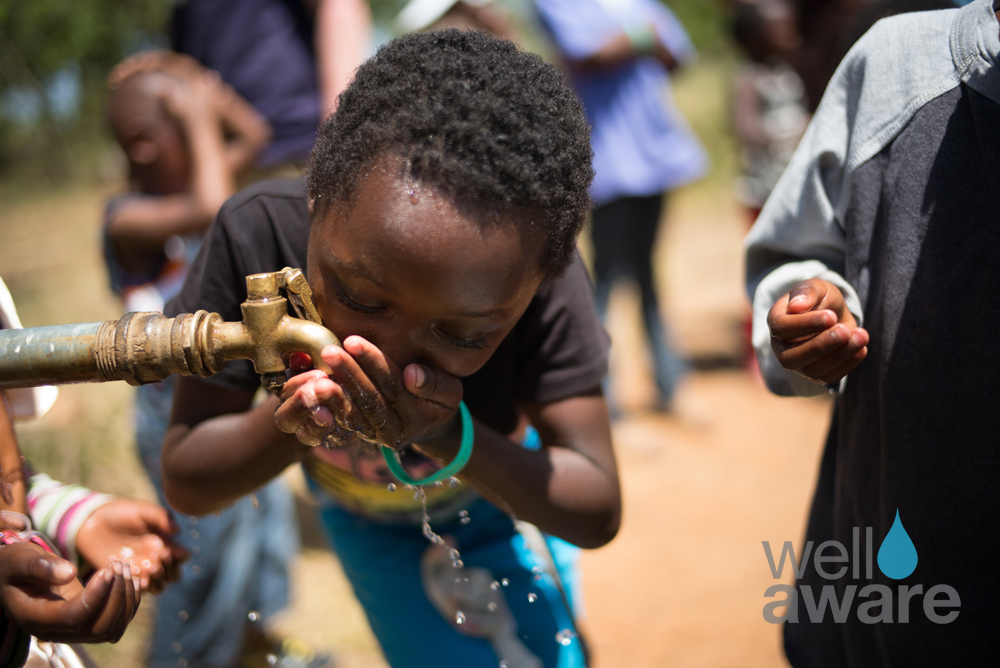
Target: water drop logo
x,y
897,557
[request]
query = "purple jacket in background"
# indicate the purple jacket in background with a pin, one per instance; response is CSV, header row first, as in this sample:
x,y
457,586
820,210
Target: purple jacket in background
x,y
642,145
264,49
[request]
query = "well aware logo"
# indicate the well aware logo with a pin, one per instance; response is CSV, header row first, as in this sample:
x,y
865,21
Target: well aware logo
x,y
897,559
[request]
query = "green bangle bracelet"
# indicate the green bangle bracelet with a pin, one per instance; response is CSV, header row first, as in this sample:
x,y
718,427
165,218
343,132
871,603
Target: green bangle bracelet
x,y
461,459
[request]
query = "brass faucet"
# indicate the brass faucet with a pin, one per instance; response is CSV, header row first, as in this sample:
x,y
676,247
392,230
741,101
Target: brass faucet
x,y
146,347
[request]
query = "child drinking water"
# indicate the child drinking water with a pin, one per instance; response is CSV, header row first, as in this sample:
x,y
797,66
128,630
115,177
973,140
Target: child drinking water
x,y
437,227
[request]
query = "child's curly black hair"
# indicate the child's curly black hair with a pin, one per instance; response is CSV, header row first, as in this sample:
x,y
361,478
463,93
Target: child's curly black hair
x,y
473,117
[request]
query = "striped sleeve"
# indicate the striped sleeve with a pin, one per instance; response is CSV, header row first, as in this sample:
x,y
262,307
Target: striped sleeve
x,y
59,510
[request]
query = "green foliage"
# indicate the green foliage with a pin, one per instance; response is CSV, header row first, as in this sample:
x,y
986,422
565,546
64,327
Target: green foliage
x,y
706,21
41,37
46,35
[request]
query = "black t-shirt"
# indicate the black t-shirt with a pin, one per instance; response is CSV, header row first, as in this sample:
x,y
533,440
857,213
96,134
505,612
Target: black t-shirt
x,y
558,349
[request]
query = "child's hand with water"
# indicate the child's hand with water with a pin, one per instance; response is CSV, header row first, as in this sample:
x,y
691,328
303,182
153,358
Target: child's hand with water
x,y
814,334
136,531
368,397
40,593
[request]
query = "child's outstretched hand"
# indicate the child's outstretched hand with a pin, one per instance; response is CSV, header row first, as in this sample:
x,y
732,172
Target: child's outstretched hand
x,y
139,532
41,594
368,396
814,334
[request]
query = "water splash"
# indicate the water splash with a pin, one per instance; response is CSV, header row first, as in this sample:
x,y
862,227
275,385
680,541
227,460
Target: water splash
x,y
565,637
430,535
897,557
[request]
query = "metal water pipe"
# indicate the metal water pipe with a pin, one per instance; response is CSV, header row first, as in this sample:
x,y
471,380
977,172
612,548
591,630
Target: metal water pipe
x,y
146,347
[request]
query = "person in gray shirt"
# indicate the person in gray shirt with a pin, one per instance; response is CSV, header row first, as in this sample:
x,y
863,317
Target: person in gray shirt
x,y
872,271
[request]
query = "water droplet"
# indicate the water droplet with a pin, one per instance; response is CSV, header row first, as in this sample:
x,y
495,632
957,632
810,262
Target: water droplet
x,y
272,660
565,637
195,550
194,534
127,553
196,569
532,597
459,617
537,577
505,582
495,586
193,520
492,607
414,197
184,615
897,557
458,563
253,616
182,663
454,482
504,664
391,487
495,216
254,501
177,647
147,564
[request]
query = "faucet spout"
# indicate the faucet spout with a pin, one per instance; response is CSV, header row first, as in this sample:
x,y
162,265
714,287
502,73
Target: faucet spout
x,y
145,347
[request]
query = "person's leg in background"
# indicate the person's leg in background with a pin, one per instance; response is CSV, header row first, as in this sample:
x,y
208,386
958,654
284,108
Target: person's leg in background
x,y
668,366
624,234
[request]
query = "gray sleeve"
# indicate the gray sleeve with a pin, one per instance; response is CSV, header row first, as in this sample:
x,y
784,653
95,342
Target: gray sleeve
x,y
896,68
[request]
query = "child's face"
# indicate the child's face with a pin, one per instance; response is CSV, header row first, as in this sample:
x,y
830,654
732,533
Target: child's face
x,y
425,281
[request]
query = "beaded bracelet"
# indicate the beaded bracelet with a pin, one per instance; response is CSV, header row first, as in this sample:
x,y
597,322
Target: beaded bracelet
x,y
457,464
14,527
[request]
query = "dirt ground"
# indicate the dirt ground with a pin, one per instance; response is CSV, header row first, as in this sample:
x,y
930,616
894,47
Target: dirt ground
x,y
683,583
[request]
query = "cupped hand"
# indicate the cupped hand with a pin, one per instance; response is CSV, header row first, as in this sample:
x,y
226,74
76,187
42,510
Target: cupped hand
x,y
137,532
41,594
367,397
814,334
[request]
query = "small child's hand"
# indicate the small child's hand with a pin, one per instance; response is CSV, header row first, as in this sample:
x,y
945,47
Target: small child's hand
x,y
194,100
41,594
177,64
814,334
136,532
368,395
